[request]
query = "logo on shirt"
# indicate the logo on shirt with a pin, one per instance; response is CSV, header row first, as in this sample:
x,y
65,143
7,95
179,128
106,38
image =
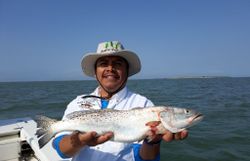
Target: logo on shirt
x,y
89,103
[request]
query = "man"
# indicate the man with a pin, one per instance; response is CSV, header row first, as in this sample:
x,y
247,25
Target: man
x,y
111,65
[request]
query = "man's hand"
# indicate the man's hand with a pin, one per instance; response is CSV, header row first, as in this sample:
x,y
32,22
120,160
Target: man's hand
x,y
71,144
167,136
89,138
92,139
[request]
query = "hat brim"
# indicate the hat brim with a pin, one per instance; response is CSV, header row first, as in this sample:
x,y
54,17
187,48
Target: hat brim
x,y
89,60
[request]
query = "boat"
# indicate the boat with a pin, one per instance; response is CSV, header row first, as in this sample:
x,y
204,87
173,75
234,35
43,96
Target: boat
x,y
18,142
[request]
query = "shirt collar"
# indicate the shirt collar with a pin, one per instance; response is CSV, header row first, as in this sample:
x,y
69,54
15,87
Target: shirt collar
x,y
116,97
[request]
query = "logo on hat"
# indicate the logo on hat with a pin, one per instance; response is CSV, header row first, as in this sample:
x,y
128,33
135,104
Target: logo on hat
x,y
110,46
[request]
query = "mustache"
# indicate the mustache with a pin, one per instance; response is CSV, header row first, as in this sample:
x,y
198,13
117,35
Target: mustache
x,y
112,73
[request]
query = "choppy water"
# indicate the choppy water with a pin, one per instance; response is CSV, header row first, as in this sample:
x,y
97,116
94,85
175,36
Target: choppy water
x,y
222,136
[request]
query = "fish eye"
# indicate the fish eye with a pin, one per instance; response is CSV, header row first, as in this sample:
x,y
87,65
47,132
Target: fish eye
x,y
187,111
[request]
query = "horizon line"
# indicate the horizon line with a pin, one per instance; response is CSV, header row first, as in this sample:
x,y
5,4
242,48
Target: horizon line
x,y
92,79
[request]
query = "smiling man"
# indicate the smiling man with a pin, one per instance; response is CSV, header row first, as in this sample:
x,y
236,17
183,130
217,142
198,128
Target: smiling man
x,y
112,74
111,65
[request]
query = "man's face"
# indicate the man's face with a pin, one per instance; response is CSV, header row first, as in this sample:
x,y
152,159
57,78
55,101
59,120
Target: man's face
x,y
111,72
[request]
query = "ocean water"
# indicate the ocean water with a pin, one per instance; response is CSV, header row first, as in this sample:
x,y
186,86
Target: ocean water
x,y
223,135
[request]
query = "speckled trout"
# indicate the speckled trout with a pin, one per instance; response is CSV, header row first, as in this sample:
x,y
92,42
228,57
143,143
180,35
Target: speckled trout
x,y
127,125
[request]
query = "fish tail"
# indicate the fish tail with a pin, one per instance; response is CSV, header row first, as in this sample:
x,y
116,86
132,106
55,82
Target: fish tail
x,y
44,131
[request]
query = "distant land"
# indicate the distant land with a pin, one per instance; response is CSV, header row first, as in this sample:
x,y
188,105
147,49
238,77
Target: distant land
x,y
190,77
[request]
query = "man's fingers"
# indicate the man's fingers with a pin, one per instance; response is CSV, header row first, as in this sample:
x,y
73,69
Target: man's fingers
x,y
181,135
168,136
85,137
92,139
103,138
184,134
177,136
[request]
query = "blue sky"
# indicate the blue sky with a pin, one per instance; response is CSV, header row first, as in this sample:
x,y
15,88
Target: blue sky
x,y
45,40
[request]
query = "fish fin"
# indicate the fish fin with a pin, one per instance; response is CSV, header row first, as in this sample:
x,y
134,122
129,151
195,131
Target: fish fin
x,y
153,123
156,128
45,139
160,129
40,132
44,131
150,135
150,138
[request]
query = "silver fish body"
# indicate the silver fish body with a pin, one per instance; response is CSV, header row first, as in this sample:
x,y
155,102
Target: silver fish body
x,y
127,125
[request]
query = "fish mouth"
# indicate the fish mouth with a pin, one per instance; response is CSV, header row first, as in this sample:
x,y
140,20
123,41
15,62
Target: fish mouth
x,y
198,117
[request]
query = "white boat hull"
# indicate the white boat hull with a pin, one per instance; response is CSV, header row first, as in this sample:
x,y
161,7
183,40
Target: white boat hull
x,y
19,142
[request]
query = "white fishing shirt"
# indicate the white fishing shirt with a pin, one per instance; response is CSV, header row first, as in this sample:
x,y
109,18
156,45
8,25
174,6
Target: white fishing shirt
x,y
108,151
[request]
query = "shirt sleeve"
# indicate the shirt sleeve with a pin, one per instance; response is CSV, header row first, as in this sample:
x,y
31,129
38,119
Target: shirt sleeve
x,y
149,103
56,143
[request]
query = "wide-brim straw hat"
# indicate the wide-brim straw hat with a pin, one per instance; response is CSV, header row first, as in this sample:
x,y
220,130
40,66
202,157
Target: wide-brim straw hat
x,y
111,48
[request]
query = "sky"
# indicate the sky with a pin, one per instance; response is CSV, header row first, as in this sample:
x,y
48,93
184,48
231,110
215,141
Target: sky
x,y
46,40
